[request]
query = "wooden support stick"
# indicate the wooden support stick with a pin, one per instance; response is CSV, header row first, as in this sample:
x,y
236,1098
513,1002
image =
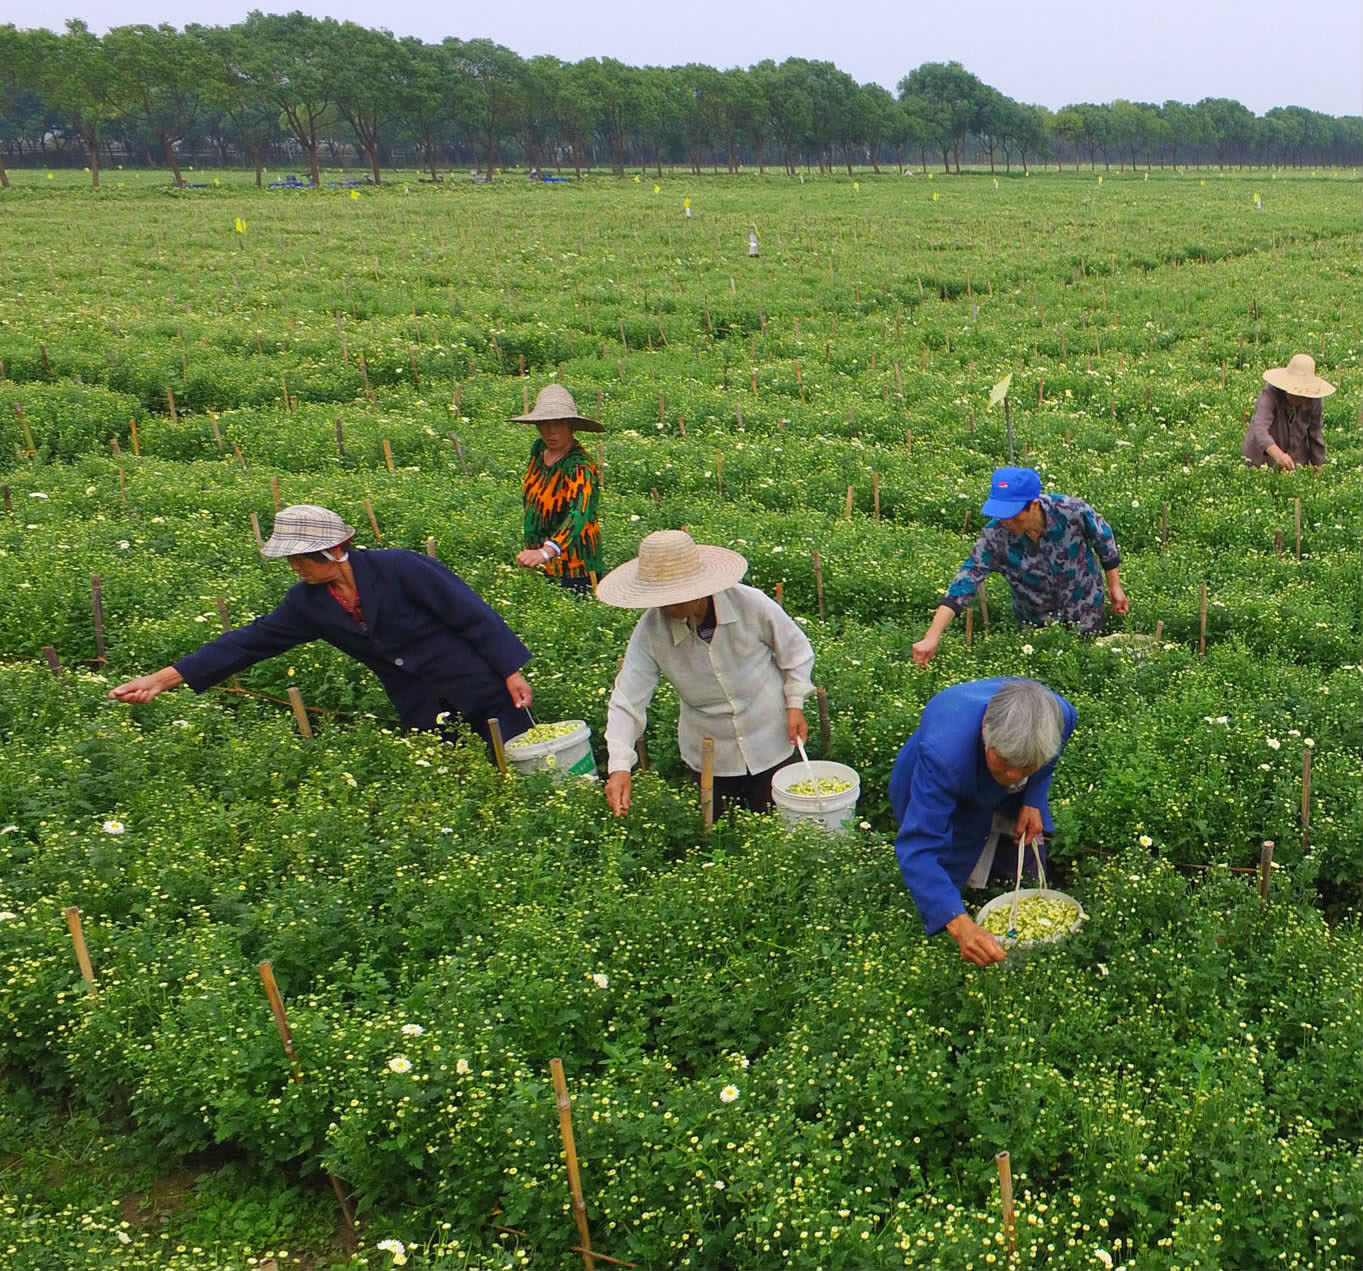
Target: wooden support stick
x,y
284,393
984,609
707,783
818,580
274,491
54,663
875,495
1202,630
1296,520
373,524
459,450
565,1126
170,401
1010,1230
255,529
388,455
430,547
719,472
281,1020
87,972
781,594
115,447
97,603
1306,799
970,627
1265,867
825,727
1278,544
235,682
340,439
494,729
241,458
1159,632
847,509
132,432
300,712
217,432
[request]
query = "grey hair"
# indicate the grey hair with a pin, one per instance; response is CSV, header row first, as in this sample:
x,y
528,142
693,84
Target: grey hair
x,y
1024,724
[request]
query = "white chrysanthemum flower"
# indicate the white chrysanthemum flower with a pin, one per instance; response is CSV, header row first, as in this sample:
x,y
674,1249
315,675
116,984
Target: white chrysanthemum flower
x,y
601,981
400,1064
397,1249
7,916
1273,743
728,1094
1146,840
412,1030
1028,650
463,1067
114,827
36,494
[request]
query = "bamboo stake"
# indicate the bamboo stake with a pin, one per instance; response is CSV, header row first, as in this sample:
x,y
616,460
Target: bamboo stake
x,y
1202,636
984,609
970,627
825,727
847,510
280,1018
707,783
255,529
373,524
54,663
565,1126
1265,867
430,547
284,393
300,712
494,729
781,595
388,455
1159,632
459,450
115,447
1296,520
1278,544
818,581
87,972
1006,1197
719,472
235,682
875,495
170,401
132,432
97,603
217,434
1306,799
241,458
274,490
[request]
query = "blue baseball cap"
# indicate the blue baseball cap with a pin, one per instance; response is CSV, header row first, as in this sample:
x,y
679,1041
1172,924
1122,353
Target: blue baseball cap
x,y
1011,490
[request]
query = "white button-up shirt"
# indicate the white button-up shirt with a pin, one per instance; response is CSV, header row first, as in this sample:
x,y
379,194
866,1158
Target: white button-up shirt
x,y
735,689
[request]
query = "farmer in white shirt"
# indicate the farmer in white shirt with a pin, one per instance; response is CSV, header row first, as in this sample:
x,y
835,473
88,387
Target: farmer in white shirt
x,y
739,664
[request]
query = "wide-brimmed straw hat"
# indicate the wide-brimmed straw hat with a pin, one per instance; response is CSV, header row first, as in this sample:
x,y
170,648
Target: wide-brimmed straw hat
x,y
303,528
1299,377
554,405
671,569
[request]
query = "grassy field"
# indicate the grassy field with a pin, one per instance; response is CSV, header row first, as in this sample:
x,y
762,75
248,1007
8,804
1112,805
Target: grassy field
x,y
1176,1084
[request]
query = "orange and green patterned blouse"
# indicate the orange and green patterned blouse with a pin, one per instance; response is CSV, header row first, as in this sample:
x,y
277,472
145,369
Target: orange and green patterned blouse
x,y
560,511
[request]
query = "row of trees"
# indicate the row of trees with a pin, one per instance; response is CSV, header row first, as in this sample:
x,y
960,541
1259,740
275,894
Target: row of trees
x,y
278,87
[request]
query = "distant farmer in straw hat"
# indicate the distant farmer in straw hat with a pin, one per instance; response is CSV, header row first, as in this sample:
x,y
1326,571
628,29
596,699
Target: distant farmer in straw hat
x,y
1287,426
434,644
739,664
1055,551
562,536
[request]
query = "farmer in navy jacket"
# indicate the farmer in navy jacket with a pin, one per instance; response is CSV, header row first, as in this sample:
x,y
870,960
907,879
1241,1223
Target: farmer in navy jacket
x,y
977,771
432,641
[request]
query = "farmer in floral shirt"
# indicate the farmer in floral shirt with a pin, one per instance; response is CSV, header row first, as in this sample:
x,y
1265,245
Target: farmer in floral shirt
x,y
560,490
1054,550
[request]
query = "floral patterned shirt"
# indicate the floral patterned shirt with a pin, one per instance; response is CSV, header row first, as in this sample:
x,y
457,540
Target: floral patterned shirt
x,y
1059,578
560,511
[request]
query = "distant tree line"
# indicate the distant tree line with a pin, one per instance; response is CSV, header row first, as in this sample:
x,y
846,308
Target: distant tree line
x,y
291,89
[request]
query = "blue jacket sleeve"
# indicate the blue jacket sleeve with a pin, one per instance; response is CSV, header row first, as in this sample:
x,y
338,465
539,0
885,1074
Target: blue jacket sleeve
x,y
444,594
273,633
925,835
1037,792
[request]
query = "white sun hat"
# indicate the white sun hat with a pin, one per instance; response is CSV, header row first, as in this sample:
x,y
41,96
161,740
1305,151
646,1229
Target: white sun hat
x,y
303,528
671,569
1299,377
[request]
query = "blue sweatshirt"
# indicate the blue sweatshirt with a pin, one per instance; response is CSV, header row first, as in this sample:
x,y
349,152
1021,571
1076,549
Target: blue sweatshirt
x,y
944,797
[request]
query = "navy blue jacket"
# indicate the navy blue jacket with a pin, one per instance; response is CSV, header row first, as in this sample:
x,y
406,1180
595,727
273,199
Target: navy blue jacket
x,y
944,797
433,642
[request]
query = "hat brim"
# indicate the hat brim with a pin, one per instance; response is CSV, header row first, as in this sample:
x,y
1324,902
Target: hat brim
x,y
578,423
1314,387
1004,508
719,568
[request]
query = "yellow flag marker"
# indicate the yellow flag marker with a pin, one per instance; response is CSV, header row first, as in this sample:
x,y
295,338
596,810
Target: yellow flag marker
x,y
856,185
657,189
934,196
240,225
686,202
354,194
636,180
1100,180
1000,390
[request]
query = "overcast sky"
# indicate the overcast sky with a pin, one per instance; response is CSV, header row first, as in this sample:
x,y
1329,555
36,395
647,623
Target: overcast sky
x,y
1263,53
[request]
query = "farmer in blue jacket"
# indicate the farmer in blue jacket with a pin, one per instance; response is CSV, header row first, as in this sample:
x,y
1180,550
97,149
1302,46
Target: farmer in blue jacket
x,y
435,645
977,771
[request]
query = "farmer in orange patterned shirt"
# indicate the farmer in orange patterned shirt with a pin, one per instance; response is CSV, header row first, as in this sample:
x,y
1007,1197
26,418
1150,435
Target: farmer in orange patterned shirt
x,y
561,487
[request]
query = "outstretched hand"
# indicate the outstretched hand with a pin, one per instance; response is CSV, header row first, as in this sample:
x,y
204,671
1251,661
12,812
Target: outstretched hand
x,y
145,687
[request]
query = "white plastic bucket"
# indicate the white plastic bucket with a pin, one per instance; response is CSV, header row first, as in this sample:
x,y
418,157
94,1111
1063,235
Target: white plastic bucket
x,y
832,811
570,754
1006,900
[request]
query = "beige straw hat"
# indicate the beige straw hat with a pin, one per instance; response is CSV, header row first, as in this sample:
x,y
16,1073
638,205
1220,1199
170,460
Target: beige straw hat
x,y
671,569
1299,377
554,405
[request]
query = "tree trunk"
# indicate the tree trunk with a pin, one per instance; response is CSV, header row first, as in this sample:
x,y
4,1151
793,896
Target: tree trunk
x,y
315,166
258,158
4,176
372,149
946,160
169,147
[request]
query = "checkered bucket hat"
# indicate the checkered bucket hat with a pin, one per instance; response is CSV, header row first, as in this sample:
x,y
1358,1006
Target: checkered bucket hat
x,y
305,527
